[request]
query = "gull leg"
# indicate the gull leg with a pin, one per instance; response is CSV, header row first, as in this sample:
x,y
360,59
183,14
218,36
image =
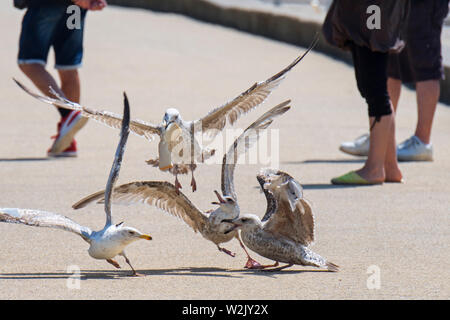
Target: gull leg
x,y
134,273
251,263
226,251
113,262
177,184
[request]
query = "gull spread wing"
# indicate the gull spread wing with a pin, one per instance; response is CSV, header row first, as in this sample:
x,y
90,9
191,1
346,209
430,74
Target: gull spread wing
x,y
138,127
293,217
43,219
216,119
243,143
162,195
114,173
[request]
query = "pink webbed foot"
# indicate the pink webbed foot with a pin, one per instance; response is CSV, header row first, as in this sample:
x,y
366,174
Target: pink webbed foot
x,y
252,264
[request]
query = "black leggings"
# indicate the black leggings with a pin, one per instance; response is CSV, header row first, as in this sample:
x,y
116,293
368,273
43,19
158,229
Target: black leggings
x,y
371,77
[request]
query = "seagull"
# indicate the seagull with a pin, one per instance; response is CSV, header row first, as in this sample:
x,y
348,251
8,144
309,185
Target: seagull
x,y
287,228
165,196
179,139
104,244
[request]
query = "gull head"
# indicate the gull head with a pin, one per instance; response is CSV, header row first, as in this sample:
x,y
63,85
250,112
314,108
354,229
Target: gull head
x,y
171,115
128,235
247,222
281,185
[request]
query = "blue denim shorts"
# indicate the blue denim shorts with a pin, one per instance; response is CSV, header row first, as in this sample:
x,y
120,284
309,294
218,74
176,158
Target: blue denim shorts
x,y
46,26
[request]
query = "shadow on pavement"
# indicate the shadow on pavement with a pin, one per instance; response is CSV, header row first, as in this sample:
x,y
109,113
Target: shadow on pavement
x,y
312,161
194,271
24,159
322,186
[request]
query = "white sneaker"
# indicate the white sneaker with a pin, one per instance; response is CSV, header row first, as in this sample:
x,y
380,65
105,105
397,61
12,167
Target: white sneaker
x,y
359,147
413,149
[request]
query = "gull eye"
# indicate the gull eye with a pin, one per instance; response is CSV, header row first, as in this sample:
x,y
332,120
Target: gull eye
x,y
131,232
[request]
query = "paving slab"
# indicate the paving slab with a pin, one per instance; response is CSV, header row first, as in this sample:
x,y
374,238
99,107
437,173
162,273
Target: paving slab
x,y
165,60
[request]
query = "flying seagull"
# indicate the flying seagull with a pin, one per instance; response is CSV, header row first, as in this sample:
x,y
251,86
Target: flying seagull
x,y
287,229
104,244
165,195
179,139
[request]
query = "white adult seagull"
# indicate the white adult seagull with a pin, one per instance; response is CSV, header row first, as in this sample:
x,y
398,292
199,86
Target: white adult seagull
x,y
287,229
104,244
165,196
178,143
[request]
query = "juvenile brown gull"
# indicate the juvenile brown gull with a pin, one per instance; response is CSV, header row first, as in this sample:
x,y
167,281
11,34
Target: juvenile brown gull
x,y
287,228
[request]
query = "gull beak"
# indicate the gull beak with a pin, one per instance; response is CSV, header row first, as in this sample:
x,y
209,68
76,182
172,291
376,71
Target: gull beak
x,y
221,200
145,236
235,225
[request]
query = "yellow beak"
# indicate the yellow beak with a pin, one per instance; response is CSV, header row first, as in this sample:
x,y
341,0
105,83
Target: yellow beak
x,y
146,237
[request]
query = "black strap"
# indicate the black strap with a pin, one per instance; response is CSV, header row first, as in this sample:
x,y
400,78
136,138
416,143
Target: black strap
x,y
377,119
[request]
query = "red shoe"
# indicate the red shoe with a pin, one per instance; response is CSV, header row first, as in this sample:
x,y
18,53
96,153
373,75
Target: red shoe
x,y
65,144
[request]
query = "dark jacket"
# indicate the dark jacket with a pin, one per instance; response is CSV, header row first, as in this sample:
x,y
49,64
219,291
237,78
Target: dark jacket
x,y
346,22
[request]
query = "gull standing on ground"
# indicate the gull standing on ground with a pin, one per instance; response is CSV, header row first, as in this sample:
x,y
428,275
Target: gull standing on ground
x,y
104,244
178,144
165,195
287,228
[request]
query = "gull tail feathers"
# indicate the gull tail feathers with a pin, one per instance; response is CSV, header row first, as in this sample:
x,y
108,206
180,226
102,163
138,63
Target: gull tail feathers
x,y
332,267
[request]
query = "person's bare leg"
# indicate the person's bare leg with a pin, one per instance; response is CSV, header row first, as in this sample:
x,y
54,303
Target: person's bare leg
x,y
394,89
70,84
373,169
427,93
41,78
391,168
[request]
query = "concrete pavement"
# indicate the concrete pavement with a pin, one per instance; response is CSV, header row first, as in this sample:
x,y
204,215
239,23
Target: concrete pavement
x,y
164,60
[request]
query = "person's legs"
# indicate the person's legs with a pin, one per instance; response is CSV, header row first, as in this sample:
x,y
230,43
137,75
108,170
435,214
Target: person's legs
x,y
371,75
394,89
427,93
43,80
70,84
425,55
39,25
68,46
381,164
391,168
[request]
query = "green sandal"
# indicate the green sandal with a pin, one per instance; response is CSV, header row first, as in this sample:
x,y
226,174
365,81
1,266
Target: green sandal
x,y
352,178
